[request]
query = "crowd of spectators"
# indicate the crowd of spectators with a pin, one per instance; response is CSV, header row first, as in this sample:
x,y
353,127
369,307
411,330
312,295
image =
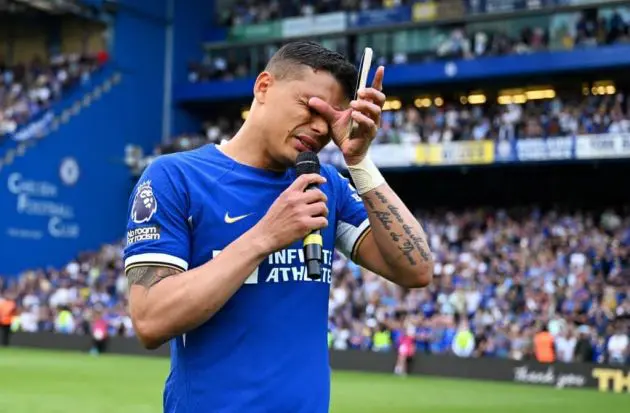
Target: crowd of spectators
x,y
451,121
589,29
27,90
458,41
501,277
213,132
556,117
66,300
243,12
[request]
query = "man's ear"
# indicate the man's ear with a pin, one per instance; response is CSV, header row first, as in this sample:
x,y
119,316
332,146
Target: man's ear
x,y
262,85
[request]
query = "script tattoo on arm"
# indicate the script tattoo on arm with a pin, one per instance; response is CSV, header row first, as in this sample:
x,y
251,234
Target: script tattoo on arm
x,y
381,197
417,242
395,213
148,276
407,242
407,249
385,218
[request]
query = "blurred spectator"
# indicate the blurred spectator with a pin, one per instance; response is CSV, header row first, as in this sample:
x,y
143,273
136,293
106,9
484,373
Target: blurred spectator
x,y
406,351
64,322
99,332
619,346
584,346
382,340
464,341
8,308
544,346
565,345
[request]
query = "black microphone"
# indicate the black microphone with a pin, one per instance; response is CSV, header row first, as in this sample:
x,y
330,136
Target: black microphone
x,y
308,163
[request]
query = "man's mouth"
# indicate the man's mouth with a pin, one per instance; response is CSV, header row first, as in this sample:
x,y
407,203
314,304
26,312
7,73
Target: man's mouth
x,y
308,142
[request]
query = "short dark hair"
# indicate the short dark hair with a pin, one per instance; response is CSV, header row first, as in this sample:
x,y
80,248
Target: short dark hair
x,y
308,53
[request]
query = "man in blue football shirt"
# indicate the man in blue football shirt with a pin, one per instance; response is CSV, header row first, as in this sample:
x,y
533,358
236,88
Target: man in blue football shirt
x,y
214,242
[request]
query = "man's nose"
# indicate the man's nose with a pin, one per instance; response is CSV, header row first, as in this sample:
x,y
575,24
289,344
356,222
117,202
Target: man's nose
x,y
319,125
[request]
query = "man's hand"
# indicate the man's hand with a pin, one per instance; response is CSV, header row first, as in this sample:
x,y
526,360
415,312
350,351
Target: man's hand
x,y
366,112
294,214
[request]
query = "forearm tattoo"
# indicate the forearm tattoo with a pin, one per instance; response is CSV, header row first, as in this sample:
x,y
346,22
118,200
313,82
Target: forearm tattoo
x,y
406,238
149,276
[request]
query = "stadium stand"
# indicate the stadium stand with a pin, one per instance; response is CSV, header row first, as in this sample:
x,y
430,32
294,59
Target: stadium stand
x,y
247,12
433,121
454,41
590,29
27,90
501,275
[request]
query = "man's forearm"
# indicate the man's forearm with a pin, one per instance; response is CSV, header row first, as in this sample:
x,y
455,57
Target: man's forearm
x,y
399,236
164,304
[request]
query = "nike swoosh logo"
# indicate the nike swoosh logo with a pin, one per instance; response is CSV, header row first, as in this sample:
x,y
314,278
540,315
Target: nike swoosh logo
x,y
231,220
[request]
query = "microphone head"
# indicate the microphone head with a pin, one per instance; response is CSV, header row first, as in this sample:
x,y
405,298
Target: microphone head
x,y
307,163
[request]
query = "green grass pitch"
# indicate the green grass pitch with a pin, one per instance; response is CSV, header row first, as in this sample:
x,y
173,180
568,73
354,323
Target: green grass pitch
x,y
33,381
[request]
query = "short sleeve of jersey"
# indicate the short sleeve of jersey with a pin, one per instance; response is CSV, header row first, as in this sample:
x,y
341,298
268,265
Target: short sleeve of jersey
x,y
352,218
157,226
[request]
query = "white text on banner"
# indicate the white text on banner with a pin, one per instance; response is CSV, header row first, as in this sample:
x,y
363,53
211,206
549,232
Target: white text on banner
x,y
537,149
312,25
609,145
387,155
393,154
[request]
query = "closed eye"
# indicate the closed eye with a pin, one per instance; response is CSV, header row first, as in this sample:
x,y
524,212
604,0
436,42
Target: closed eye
x,y
311,111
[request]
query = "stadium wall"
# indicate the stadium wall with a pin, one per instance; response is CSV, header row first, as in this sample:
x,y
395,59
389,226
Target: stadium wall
x,y
190,20
66,189
154,42
140,52
604,378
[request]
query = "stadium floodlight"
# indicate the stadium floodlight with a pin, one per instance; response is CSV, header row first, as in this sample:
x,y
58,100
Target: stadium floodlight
x,y
477,99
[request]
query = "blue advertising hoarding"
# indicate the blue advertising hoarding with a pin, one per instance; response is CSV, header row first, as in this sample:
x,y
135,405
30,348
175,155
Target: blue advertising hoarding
x,y
553,148
505,151
505,6
56,203
380,17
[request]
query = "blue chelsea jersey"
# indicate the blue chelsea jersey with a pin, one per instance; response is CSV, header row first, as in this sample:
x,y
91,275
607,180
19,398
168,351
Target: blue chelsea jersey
x,y
266,349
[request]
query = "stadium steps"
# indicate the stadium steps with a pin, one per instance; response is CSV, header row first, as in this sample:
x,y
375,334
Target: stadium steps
x,y
61,114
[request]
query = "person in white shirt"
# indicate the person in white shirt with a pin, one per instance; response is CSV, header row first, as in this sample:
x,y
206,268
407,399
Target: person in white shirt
x,y
618,347
29,319
565,346
473,299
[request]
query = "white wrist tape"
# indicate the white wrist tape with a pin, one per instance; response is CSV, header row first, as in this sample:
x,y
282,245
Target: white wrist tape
x,y
365,175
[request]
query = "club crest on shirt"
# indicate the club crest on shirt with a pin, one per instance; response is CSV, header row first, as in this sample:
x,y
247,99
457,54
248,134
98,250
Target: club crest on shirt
x,y
144,203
